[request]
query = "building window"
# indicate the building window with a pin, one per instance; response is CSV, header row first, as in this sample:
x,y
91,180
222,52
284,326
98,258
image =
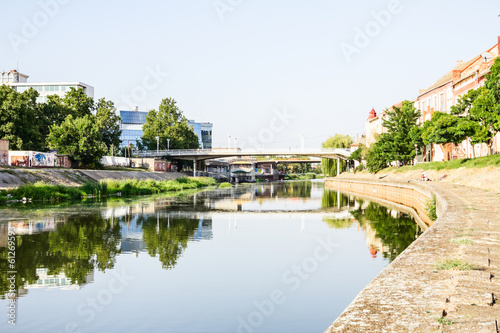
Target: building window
x,y
442,102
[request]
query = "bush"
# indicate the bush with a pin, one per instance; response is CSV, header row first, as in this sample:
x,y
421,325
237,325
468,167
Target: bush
x,y
430,208
225,185
46,193
95,189
359,168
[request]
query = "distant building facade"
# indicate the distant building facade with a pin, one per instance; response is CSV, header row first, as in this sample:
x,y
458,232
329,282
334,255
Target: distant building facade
x,y
204,133
132,122
19,82
442,96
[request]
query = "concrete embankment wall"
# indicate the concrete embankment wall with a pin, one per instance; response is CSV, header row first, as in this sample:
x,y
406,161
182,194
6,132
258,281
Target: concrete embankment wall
x,y
414,293
10,178
406,195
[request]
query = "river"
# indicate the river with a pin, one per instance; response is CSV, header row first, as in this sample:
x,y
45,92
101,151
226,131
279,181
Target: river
x,y
274,257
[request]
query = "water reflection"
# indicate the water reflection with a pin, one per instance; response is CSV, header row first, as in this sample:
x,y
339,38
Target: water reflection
x,y
388,231
63,250
64,256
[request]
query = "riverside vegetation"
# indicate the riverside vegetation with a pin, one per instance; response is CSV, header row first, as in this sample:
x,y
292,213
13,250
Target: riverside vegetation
x,y
108,187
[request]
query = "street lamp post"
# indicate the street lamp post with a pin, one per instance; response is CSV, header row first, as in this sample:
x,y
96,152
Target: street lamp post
x,y
235,144
229,142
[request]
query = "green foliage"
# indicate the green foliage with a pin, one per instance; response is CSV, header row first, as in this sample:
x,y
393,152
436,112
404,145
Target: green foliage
x,y
225,185
430,208
481,108
77,104
80,138
359,154
168,123
377,158
329,166
446,128
58,193
479,162
146,187
96,189
46,193
359,168
18,119
27,125
398,144
456,264
462,241
395,232
338,141
109,123
76,248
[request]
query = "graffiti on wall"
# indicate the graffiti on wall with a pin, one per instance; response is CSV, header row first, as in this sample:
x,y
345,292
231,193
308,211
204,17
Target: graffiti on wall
x,y
22,161
42,160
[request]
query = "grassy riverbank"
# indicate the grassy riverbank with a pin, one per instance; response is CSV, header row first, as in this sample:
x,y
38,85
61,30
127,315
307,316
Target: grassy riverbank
x,y
479,162
108,187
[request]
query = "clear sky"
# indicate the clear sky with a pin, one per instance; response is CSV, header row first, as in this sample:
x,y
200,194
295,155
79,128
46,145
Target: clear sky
x,y
265,72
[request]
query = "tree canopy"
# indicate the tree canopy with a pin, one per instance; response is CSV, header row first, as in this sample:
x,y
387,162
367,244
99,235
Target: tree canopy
x,y
80,138
168,123
328,165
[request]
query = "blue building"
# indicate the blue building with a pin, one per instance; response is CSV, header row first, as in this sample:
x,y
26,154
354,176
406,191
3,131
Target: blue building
x,y
132,122
204,132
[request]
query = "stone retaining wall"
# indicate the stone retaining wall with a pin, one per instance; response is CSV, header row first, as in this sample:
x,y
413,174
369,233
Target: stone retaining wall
x,y
416,293
407,196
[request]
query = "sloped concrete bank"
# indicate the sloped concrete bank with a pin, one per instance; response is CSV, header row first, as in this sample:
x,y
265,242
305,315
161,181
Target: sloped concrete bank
x,y
412,294
10,178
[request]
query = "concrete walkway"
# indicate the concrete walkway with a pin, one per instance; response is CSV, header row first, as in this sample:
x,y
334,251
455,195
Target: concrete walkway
x,y
413,295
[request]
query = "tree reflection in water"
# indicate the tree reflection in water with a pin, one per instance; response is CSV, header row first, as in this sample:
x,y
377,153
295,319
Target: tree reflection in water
x,y
75,248
387,230
167,238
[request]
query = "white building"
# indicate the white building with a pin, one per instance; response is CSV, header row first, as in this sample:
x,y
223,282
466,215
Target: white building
x,y
19,82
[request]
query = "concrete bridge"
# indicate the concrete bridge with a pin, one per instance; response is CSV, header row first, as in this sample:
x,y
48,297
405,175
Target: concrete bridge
x,y
196,155
206,154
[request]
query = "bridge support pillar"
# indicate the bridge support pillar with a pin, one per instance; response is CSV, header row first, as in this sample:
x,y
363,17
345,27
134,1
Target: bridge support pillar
x,y
338,166
194,168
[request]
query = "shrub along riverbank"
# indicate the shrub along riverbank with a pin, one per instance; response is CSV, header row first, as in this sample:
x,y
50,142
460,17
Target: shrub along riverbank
x,y
107,187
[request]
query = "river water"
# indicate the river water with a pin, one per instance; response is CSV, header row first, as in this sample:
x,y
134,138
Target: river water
x,y
274,257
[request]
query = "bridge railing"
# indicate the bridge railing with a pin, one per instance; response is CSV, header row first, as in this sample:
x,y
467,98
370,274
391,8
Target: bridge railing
x,y
246,151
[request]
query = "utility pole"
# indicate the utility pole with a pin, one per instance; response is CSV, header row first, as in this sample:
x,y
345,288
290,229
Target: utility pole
x,y
168,144
157,144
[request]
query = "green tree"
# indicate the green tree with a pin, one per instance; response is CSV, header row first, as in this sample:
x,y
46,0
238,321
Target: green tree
x,y
78,104
447,129
80,138
400,122
377,157
168,123
359,154
482,107
328,165
109,122
18,119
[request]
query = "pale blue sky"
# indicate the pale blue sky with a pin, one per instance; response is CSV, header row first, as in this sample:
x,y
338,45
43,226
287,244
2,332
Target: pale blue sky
x,y
236,67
